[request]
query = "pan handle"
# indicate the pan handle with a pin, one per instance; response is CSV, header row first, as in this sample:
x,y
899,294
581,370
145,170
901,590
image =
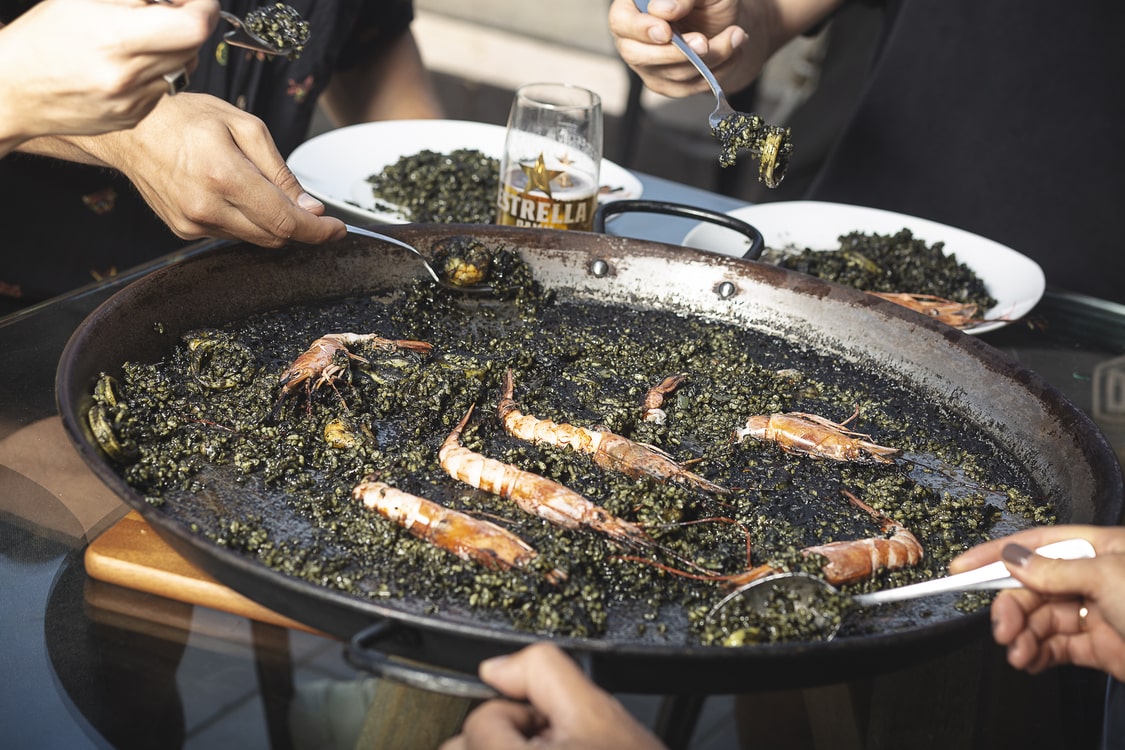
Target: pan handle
x,y
361,652
606,210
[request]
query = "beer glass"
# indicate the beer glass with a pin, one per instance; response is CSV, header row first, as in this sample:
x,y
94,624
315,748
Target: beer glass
x,y
552,154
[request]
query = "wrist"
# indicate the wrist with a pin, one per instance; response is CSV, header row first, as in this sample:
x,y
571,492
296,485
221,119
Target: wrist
x,y
784,21
15,127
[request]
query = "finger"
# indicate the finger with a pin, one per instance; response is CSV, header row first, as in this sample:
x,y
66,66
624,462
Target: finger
x,y
256,212
670,10
647,55
666,72
699,43
502,725
563,699
287,182
518,676
280,208
164,48
1009,615
457,742
1045,575
269,223
627,22
1022,653
723,46
1054,651
253,138
1056,618
168,28
989,552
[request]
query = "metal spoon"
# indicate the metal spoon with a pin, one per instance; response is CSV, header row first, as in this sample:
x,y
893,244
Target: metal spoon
x,y
468,288
804,590
240,36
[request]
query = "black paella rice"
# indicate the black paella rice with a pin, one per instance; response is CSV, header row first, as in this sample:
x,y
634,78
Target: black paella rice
x,y
892,263
206,422
749,133
280,26
443,188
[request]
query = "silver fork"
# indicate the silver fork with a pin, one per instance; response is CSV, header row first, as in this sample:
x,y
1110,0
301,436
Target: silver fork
x,y
723,110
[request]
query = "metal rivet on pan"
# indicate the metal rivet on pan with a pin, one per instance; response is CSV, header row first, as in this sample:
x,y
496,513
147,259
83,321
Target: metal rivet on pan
x,y
599,268
726,290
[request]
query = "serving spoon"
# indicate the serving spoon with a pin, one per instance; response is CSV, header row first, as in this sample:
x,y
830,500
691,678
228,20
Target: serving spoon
x,y
441,281
239,36
242,36
804,590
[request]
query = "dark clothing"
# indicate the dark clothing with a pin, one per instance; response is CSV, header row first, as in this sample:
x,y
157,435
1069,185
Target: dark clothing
x,y
64,224
1002,118
1113,729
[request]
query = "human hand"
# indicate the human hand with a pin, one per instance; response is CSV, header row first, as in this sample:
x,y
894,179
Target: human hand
x,y
1040,624
734,37
208,169
563,709
92,66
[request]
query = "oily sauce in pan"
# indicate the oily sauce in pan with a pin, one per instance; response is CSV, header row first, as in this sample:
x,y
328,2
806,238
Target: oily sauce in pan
x,y
203,436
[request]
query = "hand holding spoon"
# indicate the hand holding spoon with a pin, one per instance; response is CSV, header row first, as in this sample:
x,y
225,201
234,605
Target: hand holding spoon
x,y
805,591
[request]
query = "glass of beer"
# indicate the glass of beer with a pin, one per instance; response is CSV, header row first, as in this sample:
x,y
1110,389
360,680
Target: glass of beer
x,y
552,154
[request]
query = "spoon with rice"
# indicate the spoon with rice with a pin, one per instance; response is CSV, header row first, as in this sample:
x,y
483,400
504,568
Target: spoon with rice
x,y
818,607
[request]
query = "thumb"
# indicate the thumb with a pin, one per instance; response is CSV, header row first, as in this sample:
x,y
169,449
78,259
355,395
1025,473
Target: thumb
x,y
287,182
263,154
545,676
1046,575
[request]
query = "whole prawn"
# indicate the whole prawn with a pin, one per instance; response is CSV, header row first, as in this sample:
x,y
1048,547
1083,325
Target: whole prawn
x,y
467,537
609,450
536,495
851,561
798,432
317,365
950,312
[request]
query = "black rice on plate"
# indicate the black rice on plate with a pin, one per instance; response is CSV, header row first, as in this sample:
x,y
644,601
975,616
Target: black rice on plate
x,y
891,263
458,187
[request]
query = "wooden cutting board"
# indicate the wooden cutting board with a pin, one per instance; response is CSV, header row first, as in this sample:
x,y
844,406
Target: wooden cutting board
x,y
132,555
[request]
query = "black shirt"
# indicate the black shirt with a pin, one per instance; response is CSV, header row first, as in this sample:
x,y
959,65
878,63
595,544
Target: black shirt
x,y
1002,118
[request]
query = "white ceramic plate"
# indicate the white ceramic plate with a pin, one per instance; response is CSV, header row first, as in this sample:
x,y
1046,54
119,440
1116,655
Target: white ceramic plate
x,y
335,166
1014,280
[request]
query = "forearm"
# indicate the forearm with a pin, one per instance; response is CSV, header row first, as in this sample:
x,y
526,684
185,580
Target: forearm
x,y
91,150
11,135
393,86
791,18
